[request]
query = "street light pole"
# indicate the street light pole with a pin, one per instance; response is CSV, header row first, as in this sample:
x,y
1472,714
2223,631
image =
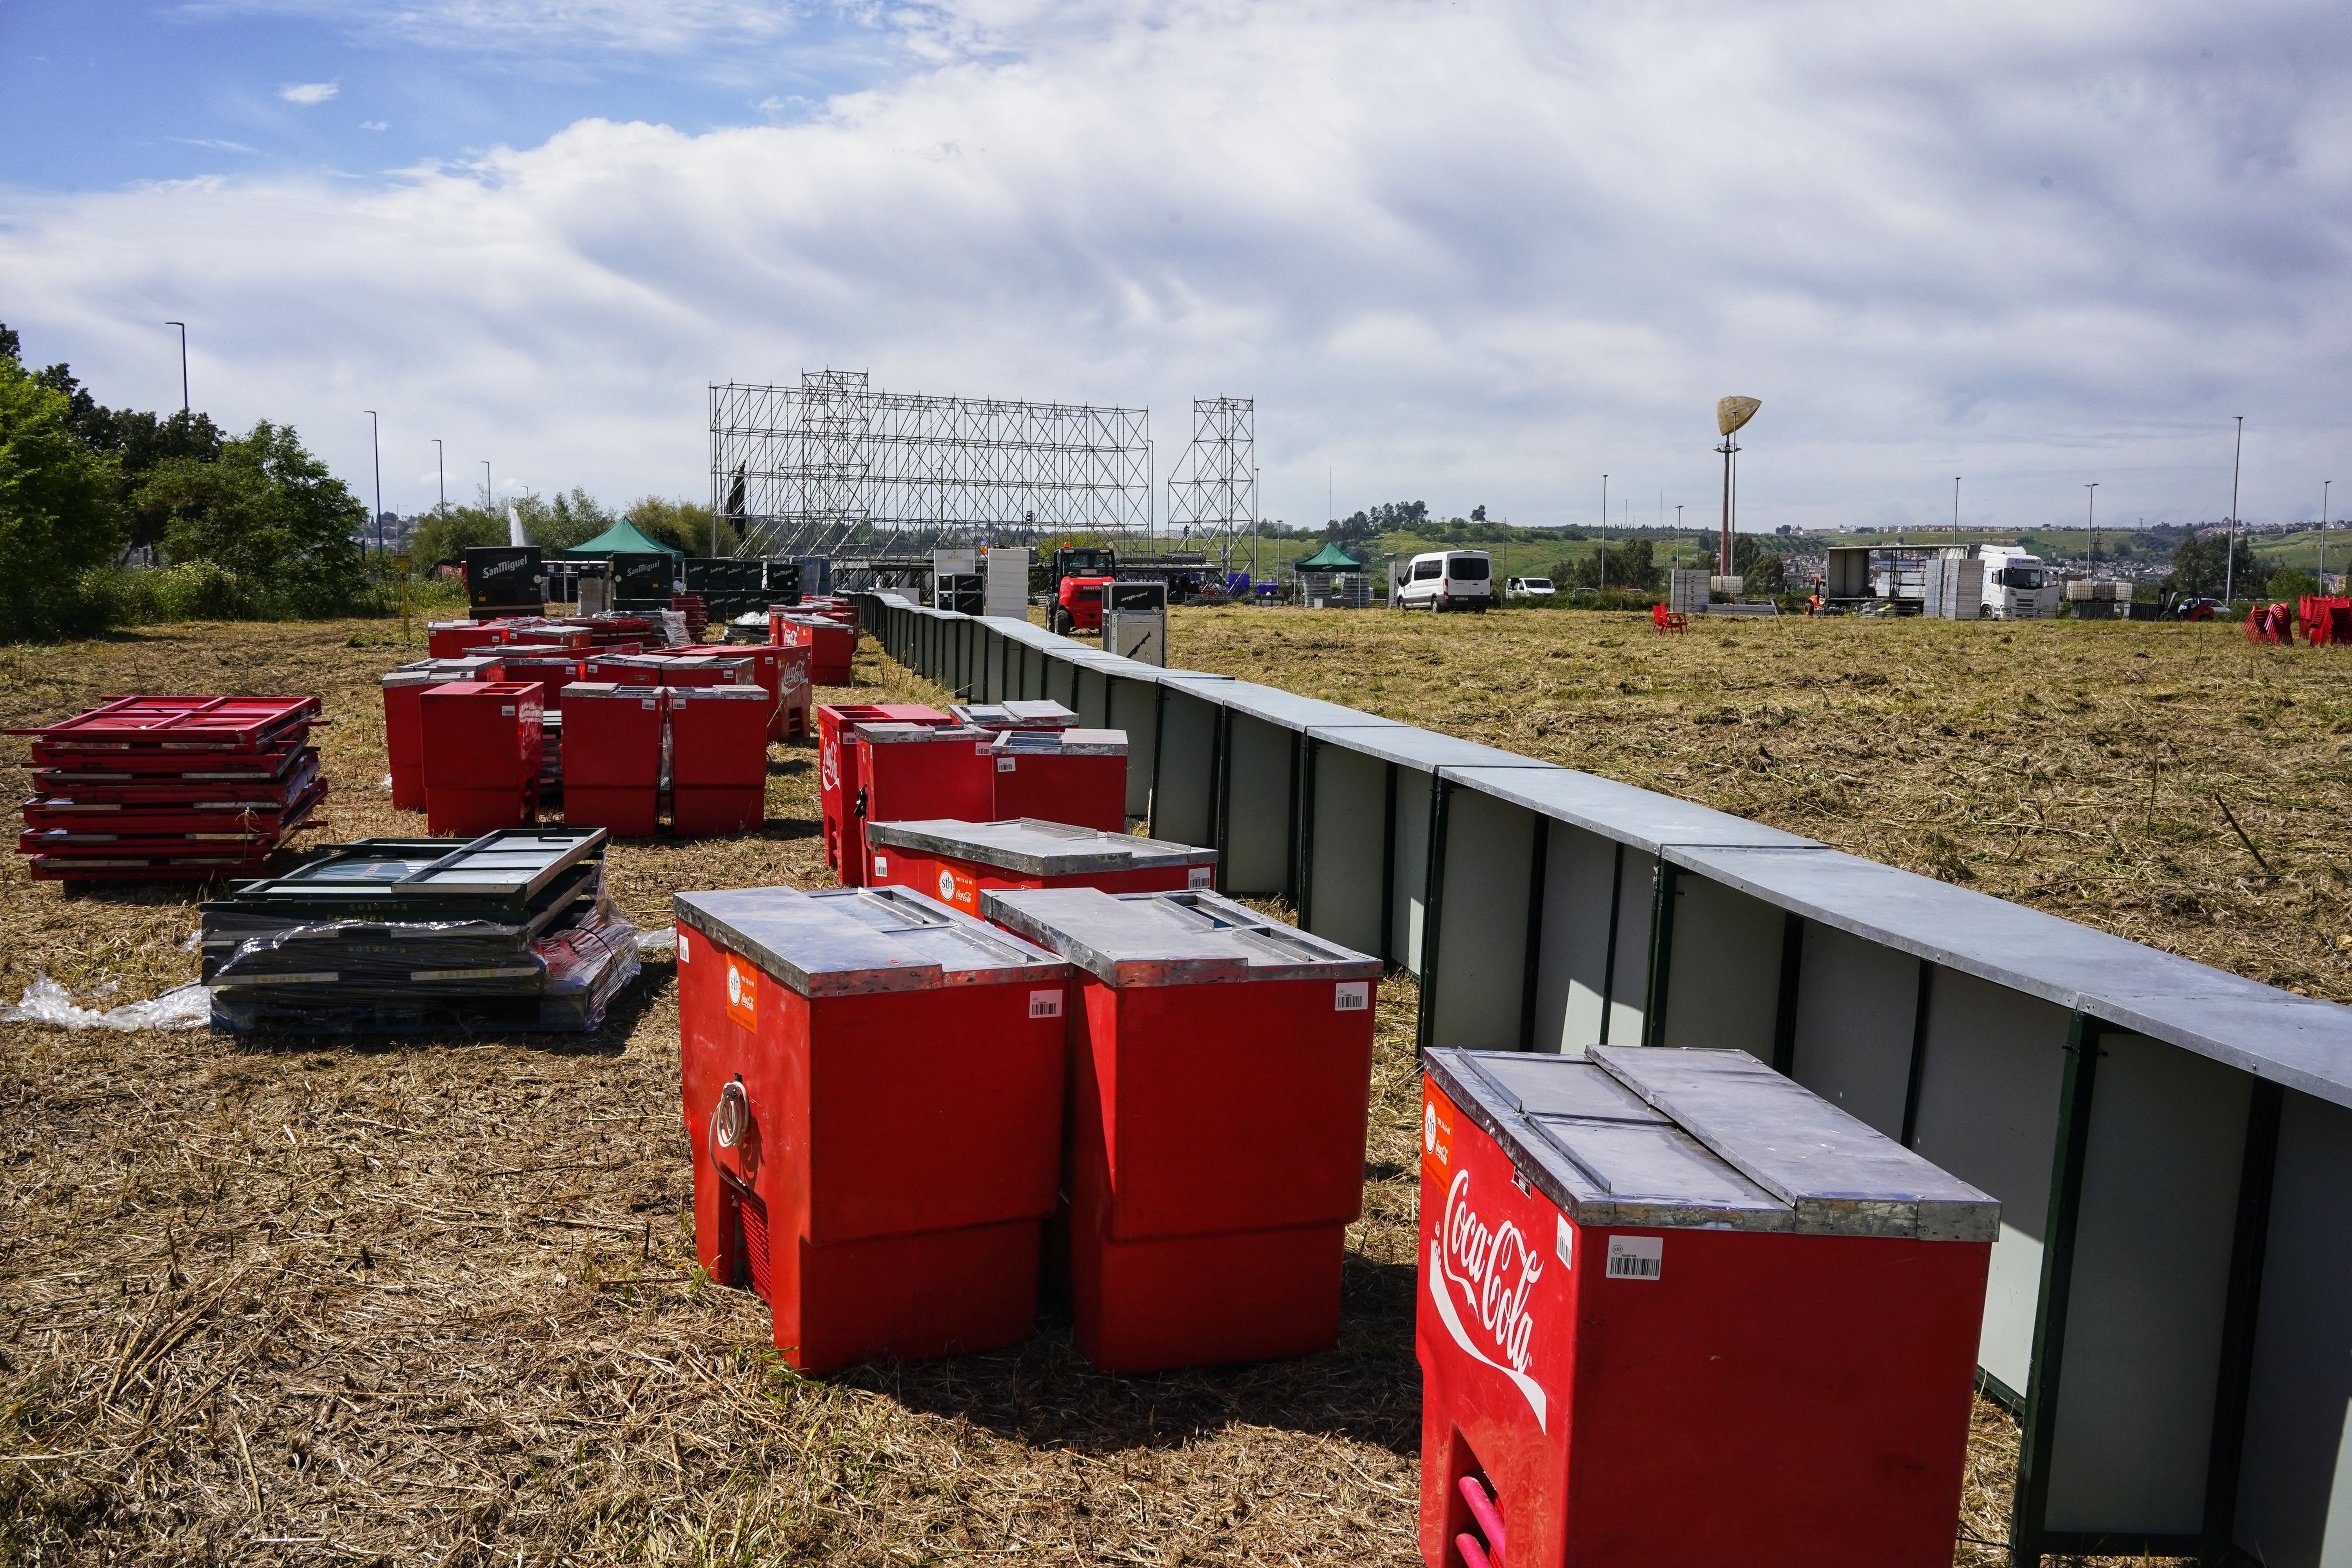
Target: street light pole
x,y
2229,561
487,497
2323,485
183,363
1604,533
1956,511
2094,514
440,479
375,444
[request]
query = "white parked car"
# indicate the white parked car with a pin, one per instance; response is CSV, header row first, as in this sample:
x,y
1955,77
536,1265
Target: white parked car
x,y
1533,587
1447,579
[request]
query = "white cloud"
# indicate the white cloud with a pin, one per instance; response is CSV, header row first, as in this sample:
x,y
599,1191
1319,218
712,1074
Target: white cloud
x,y
309,93
375,124
1467,254
666,26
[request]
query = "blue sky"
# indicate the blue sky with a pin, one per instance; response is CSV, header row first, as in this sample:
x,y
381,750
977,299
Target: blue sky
x,y
96,94
1467,251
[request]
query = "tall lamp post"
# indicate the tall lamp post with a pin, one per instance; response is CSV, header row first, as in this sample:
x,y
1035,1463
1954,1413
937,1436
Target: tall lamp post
x,y
440,479
375,444
2093,513
2229,561
1956,511
2323,485
487,499
183,363
1730,414
1604,533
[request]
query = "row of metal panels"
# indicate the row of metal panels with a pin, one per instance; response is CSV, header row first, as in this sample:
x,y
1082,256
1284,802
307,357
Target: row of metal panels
x,y
2170,1307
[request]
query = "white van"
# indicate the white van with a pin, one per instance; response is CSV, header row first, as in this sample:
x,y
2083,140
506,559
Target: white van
x,y
1447,580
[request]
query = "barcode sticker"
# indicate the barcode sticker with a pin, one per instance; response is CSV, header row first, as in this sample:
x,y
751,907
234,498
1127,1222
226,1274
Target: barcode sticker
x,y
1199,876
506,712
1636,1257
1045,1003
1563,1242
685,948
1351,996
1005,764
881,866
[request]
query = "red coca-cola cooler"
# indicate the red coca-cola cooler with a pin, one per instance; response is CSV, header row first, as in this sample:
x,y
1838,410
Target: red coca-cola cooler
x,y
624,670
832,644
913,772
838,779
482,756
613,757
796,698
955,862
1078,777
404,722
873,1091
450,639
554,670
704,668
1015,716
718,759
1674,1307
403,733
1221,1071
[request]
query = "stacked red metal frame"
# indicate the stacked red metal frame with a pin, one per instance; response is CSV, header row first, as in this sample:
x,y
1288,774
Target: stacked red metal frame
x,y
161,788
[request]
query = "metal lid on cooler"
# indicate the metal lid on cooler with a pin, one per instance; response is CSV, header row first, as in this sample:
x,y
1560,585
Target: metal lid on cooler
x,y
1036,847
1062,742
894,734
1676,1138
1170,939
851,942
1015,715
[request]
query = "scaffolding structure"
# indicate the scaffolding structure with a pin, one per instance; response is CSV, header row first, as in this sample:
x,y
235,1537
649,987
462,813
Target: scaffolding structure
x,y
1212,494
832,465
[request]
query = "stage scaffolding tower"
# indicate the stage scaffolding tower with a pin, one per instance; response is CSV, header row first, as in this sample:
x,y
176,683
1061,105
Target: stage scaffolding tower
x,y
832,466
1212,494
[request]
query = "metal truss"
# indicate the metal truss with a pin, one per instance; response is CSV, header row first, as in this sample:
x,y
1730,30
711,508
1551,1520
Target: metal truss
x,y
832,465
1212,495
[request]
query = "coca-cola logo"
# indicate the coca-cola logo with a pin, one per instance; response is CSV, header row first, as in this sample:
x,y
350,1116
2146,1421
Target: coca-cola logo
x,y
1482,1279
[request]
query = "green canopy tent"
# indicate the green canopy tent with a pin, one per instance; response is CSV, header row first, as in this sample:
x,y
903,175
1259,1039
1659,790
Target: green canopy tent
x,y
1331,558
621,539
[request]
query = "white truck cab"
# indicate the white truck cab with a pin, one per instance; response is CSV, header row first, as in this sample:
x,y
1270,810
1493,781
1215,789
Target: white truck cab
x,y
1447,580
1533,587
2019,586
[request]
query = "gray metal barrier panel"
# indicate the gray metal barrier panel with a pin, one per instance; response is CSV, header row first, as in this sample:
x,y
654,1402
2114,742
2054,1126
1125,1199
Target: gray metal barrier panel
x,y
2125,1106
2169,1307
1255,813
1567,852
1336,836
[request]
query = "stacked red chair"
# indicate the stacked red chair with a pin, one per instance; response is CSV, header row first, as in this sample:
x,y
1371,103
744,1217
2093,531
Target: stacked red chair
x,y
2270,624
170,788
2326,619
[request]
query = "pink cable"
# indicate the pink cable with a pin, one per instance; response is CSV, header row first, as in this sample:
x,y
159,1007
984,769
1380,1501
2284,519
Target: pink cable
x,y
1490,1521
1472,1554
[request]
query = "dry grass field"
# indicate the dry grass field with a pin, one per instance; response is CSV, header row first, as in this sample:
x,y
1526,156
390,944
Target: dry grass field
x,y
2091,769
413,1300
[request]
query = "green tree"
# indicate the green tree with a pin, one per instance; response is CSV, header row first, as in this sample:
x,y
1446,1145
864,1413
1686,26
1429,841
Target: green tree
x,y
682,525
2289,583
2200,566
1633,567
1760,570
565,522
444,538
58,518
268,512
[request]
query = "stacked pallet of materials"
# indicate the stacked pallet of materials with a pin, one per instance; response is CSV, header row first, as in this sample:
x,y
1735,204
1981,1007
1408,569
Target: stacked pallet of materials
x,y
170,788
510,931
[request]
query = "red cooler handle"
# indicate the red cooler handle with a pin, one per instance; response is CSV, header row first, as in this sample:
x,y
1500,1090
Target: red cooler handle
x,y
1490,1518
